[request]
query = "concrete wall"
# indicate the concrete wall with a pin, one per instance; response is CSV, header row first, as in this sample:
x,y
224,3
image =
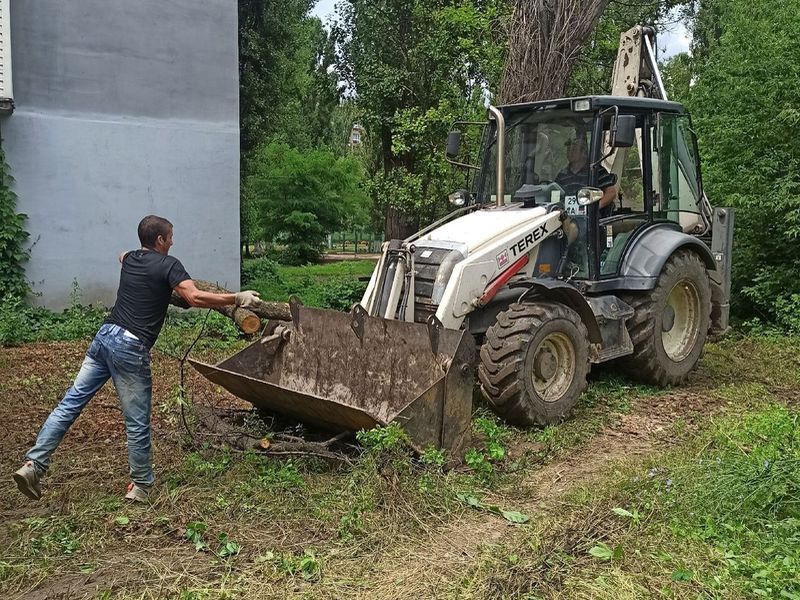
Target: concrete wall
x,y
124,109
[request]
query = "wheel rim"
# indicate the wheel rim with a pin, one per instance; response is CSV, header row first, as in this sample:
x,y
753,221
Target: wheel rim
x,y
553,367
680,321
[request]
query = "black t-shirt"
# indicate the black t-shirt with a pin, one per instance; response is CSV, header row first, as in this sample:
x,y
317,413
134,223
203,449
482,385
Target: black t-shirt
x,y
145,287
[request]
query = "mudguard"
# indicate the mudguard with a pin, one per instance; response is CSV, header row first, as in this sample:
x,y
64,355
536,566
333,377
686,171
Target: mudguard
x,y
650,250
568,295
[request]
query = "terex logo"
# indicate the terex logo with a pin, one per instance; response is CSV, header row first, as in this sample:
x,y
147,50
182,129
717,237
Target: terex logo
x,y
519,248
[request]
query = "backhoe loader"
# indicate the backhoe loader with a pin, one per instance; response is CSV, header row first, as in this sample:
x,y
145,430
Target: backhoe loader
x,y
527,283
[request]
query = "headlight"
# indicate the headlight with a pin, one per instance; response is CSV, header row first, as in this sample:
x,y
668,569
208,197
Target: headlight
x,y
587,196
458,198
581,105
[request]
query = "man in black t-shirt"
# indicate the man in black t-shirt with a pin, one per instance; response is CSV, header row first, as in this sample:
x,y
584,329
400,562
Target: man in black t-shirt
x,y
121,351
576,175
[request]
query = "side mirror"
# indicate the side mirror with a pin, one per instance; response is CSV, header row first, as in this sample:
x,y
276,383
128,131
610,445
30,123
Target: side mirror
x,y
453,143
623,131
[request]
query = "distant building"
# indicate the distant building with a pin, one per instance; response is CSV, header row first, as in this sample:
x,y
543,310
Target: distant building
x,y
121,109
357,135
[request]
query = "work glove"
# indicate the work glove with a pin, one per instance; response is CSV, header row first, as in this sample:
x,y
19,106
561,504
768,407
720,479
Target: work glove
x,y
247,299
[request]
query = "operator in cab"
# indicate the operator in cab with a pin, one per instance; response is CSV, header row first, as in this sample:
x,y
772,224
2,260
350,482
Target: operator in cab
x,y
576,174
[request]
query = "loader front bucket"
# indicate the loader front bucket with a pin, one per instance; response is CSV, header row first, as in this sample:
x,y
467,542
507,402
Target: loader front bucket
x,y
351,371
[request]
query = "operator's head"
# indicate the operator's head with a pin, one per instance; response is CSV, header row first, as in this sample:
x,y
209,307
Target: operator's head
x,y
577,150
155,233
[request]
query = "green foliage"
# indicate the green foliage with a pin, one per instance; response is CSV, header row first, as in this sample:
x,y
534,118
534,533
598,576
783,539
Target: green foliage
x,y
51,537
288,90
12,239
493,451
416,67
740,495
20,323
745,103
330,285
432,457
195,532
604,552
391,437
512,516
262,269
181,329
276,46
302,197
717,516
305,565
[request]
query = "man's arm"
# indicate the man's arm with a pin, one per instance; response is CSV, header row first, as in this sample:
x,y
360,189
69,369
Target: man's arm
x,y
609,194
198,298
608,183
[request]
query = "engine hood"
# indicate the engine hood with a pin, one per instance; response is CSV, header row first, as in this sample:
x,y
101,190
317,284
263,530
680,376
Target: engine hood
x,y
483,226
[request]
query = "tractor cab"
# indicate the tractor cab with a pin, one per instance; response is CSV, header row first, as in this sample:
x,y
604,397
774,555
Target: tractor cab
x,y
615,165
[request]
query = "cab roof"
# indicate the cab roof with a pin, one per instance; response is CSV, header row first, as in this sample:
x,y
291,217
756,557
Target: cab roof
x,y
634,104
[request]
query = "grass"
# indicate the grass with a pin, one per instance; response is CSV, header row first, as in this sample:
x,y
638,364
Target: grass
x,y
717,517
566,511
328,285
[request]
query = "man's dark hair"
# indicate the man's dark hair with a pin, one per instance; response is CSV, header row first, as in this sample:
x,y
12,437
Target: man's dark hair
x,y
151,227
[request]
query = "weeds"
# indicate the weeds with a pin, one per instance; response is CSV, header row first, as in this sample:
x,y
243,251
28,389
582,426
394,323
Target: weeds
x,y
722,516
20,323
51,538
307,528
334,285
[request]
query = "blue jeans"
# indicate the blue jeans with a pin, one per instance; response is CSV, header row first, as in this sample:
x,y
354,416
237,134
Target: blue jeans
x,y
113,354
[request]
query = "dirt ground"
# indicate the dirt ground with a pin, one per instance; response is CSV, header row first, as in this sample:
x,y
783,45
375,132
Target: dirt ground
x,y
414,554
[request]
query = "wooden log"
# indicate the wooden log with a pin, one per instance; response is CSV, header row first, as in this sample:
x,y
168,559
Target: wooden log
x,y
278,311
247,321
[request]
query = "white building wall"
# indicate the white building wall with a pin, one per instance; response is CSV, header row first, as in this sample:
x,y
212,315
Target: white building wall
x,y
124,109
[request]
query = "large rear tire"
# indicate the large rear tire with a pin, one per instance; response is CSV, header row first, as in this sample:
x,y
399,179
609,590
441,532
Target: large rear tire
x,y
670,323
534,363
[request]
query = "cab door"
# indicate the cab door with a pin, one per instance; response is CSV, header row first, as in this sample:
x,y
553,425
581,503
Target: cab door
x,y
631,209
676,177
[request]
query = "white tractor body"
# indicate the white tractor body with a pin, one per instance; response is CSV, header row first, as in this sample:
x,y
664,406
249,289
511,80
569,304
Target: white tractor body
x,y
467,254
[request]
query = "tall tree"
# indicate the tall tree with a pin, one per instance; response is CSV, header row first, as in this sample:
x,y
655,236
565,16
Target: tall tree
x,y
745,102
545,41
287,89
273,50
415,66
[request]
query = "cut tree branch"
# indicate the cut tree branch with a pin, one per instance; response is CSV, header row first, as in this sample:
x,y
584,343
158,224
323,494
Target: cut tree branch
x,y
248,321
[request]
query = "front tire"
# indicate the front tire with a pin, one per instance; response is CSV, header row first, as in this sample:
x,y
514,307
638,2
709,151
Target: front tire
x,y
534,363
670,323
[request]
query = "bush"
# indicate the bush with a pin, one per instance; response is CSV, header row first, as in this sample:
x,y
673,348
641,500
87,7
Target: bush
x,y
342,294
300,197
21,324
263,269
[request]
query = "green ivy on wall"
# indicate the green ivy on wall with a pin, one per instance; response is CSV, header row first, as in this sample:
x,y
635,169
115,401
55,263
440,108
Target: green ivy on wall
x,y
12,238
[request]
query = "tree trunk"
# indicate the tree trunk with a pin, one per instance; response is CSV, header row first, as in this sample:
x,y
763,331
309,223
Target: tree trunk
x,y
248,321
397,225
545,39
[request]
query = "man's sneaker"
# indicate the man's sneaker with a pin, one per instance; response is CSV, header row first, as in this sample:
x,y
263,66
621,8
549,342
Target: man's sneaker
x,y
27,480
138,493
